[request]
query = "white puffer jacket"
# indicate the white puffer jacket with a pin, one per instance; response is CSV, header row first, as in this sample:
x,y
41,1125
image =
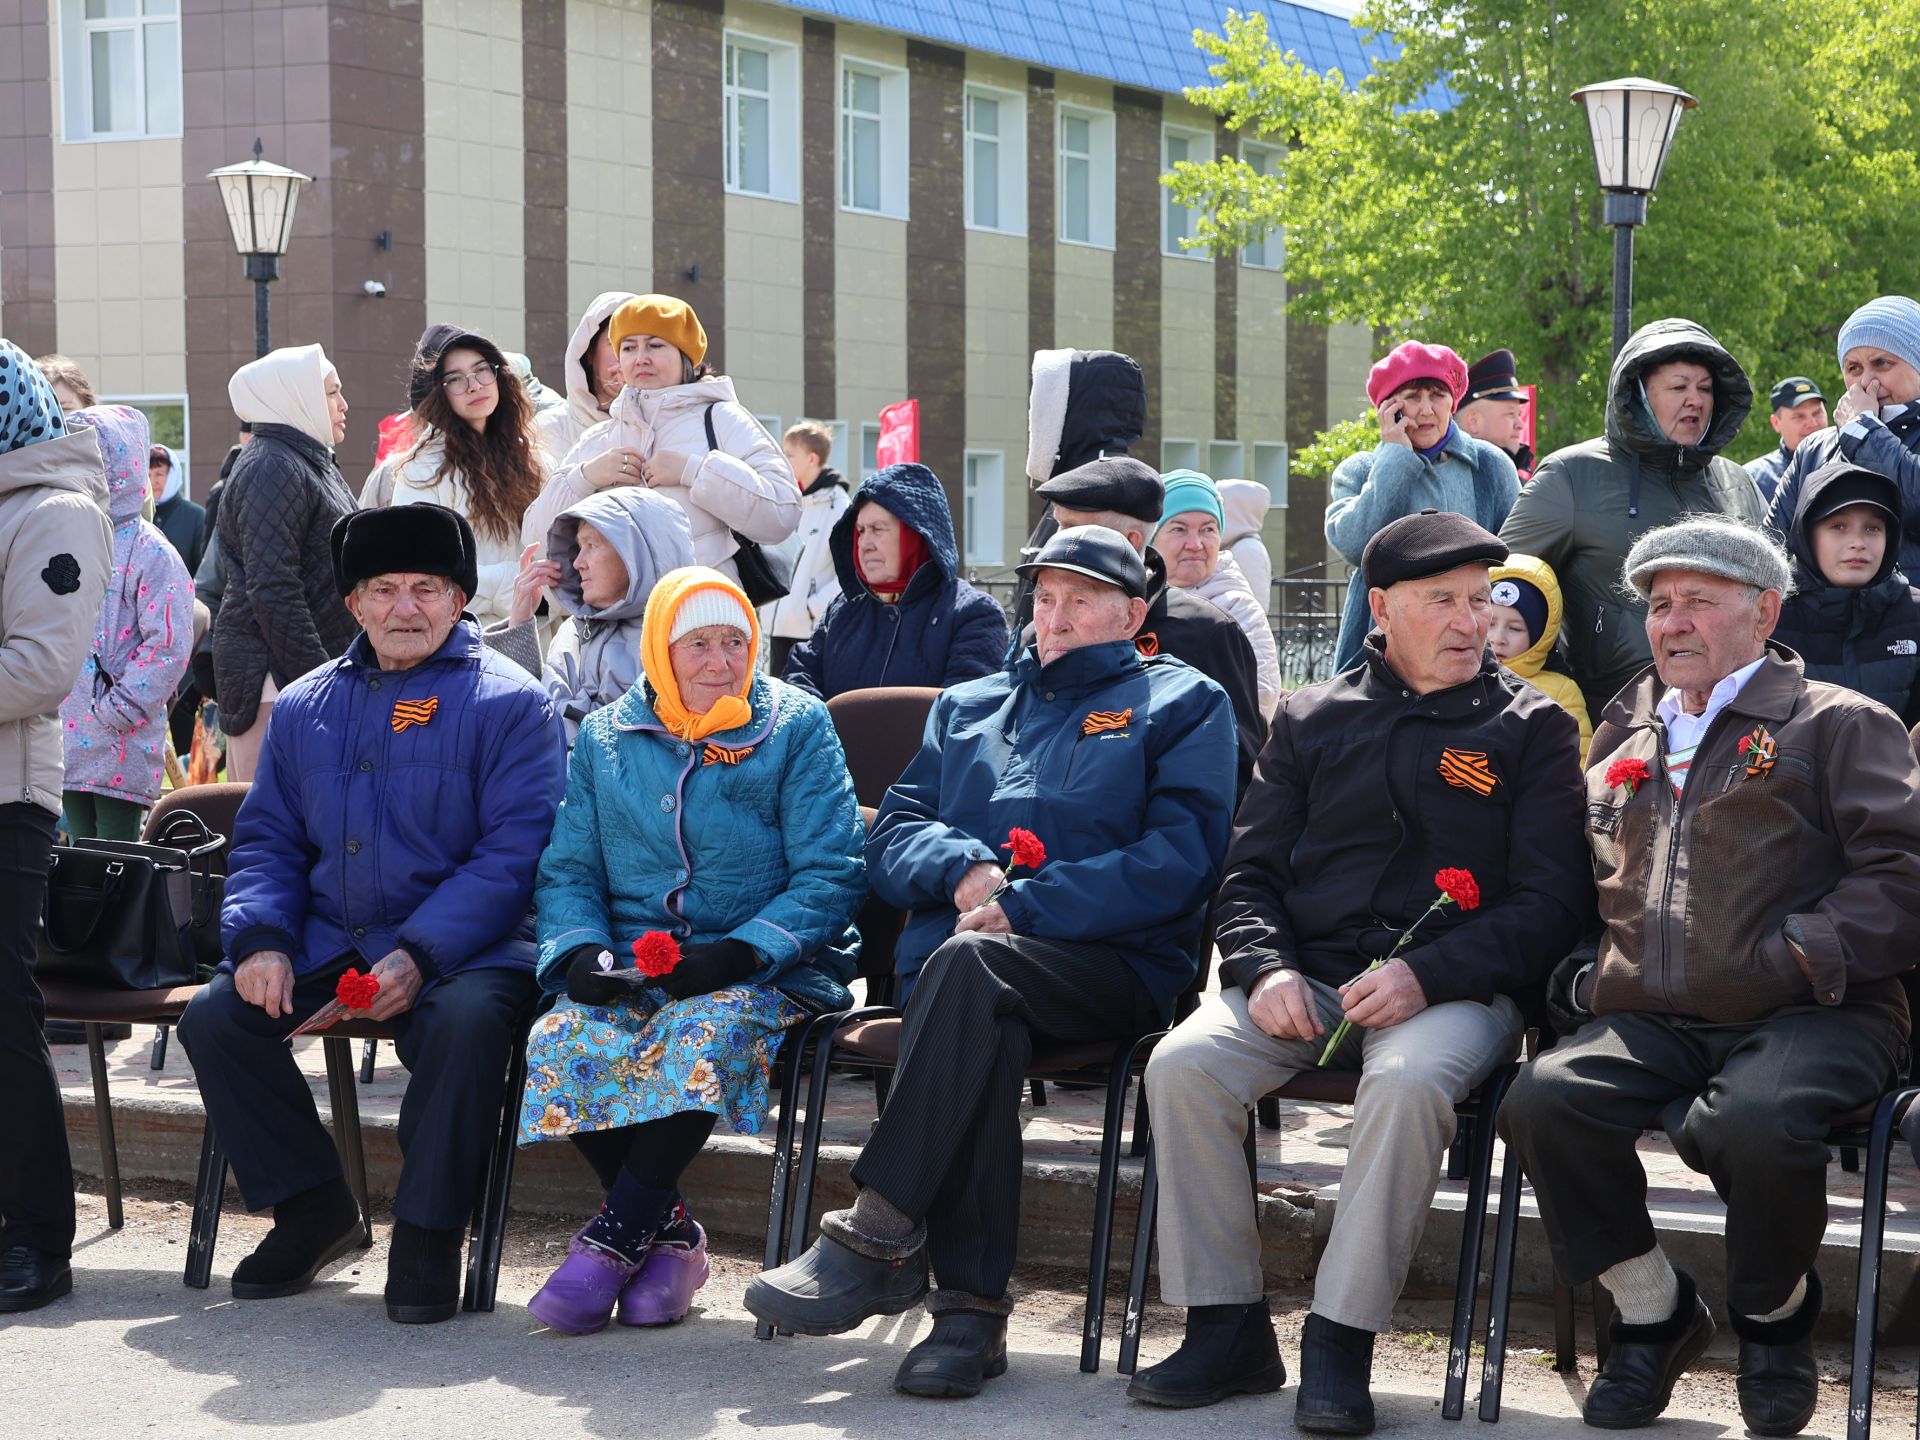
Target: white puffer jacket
x,y
745,484
1227,587
815,581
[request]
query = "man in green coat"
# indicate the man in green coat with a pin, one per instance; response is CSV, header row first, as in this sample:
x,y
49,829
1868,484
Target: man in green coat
x,y
1675,400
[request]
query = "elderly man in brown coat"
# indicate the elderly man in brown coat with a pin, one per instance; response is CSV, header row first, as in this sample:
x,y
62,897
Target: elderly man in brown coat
x,y
1756,842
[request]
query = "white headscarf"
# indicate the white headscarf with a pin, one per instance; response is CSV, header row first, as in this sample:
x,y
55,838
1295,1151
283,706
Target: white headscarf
x,y
286,387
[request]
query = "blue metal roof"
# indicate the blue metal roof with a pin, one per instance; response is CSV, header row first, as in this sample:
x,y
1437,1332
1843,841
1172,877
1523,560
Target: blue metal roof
x,y
1143,43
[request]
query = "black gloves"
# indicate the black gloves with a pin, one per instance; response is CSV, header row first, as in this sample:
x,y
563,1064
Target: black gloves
x,y
706,968
588,984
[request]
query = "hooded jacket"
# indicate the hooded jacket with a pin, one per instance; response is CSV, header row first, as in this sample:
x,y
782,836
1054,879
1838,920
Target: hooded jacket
x,y
594,656
56,547
115,718
559,429
1531,664
939,631
1588,503
1227,588
744,485
1867,639
280,614
1887,444
1246,503
815,581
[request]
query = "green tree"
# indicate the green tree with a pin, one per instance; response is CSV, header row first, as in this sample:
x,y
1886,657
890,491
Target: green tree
x,y
1450,194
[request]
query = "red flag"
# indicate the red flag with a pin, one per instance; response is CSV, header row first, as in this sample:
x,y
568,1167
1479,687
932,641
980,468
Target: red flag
x,y
899,434
396,433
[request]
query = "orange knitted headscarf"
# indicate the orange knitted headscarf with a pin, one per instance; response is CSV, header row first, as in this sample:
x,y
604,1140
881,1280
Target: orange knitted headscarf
x,y
674,589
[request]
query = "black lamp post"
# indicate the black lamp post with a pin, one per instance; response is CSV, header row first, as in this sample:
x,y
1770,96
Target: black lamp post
x,y
259,197
1632,122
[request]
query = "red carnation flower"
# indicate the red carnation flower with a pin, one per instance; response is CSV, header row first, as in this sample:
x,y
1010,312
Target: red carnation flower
x,y
356,991
1028,851
1460,887
1746,743
1629,772
655,953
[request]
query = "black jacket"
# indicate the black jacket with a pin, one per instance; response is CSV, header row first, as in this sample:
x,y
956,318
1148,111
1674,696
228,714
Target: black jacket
x,y
1351,814
281,615
185,526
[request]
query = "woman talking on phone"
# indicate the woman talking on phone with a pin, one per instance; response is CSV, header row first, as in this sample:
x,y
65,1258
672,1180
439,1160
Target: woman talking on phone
x,y
1423,462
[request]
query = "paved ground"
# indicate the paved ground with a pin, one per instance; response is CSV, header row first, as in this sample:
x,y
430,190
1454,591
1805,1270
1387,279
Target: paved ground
x,y
133,1353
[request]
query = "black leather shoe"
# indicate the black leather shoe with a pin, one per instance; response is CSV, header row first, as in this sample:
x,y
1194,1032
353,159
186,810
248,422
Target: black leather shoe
x,y
30,1278
966,1348
1645,1362
1779,1383
423,1275
1336,1379
310,1232
1228,1350
835,1286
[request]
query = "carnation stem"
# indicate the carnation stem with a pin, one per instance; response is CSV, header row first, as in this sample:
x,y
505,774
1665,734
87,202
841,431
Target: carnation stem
x,y
1345,1027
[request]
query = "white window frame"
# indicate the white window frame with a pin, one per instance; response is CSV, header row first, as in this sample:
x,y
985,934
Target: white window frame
x,y
1234,452
1099,158
869,444
892,120
984,535
1011,142
1269,251
783,116
1200,152
1177,453
1270,468
76,70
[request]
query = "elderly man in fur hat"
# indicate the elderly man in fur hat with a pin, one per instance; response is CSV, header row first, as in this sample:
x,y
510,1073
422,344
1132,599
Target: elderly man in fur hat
x,y
404,795
1756,841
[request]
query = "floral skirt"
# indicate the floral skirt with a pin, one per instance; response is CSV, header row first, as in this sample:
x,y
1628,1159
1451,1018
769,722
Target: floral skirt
x,y
603,1068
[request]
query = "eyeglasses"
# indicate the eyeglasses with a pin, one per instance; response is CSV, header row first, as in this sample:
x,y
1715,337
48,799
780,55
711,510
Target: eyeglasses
x,y
423,592
482,375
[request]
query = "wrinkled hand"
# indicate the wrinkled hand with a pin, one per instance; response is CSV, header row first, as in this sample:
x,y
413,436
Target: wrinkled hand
x,y
667,467
1282,1004
988,920
981,880
1392,431
400,985
530,585
1862,398
265,978
614,467
1383,998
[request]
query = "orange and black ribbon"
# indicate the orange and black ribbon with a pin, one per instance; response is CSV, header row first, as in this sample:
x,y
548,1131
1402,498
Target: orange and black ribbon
x,y
720,755
1147,643
1469,770
1100,722
414,712
1761,750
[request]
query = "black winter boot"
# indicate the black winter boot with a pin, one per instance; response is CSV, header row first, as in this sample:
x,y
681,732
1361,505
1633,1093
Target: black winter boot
x,y
1646,1361
1779,1383
423,1275
1336,1379
845,1277
1228,1350
310,1231
966,1347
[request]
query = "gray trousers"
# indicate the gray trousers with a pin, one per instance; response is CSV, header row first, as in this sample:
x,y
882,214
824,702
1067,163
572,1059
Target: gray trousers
x,y
1207,1074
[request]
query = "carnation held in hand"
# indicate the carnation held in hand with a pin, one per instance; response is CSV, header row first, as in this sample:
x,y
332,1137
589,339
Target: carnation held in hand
x,y
1027,850
1457,887
656,953
357,991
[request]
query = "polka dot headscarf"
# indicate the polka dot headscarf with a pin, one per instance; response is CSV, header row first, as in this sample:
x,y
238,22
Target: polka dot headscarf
x,y
29,413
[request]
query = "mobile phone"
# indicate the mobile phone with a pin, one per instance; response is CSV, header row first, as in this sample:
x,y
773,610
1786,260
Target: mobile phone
x,y
1399,415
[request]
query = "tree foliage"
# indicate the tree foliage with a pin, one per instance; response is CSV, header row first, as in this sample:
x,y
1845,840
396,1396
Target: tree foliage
x,y
1451,195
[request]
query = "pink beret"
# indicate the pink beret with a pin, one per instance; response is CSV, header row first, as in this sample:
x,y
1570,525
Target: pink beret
x,y
1414,361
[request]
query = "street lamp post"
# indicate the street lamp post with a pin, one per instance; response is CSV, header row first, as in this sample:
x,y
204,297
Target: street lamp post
x,y
1632,122
259,197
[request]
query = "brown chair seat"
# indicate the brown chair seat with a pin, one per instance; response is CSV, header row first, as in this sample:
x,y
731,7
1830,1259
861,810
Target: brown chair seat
x,y
1326,1087
82,1003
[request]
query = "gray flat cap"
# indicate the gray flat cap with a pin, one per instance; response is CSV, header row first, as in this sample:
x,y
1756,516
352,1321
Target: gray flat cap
x,y
1712,545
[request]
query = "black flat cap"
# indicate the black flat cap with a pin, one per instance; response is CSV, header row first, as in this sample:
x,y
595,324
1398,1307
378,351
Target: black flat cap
x,y
1493,377
404,540
1430,543
1096,552
1118,482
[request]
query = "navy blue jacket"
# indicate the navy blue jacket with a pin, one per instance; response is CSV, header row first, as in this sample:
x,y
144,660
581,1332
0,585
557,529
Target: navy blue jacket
x,y
939,632
1122,764
371,828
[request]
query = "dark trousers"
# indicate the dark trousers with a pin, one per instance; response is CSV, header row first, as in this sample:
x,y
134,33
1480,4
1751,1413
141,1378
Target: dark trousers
x,y
454,1042
1747,1105
947,1148
36,1174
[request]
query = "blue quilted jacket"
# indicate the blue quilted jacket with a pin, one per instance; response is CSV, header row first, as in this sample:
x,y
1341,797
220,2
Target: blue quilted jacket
x,y
752,834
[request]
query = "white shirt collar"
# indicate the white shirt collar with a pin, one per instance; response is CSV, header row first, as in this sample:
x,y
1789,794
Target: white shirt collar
x,y
1683,729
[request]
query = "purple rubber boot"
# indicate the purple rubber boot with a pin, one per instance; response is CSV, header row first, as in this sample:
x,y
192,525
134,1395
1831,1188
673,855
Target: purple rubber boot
x,y
578,1298
662,1289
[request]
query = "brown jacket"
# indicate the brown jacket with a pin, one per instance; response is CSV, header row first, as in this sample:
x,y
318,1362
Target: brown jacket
x,y
1694,892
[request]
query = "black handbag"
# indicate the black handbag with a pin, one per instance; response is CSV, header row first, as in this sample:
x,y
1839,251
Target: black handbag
x,y
125,915
764,576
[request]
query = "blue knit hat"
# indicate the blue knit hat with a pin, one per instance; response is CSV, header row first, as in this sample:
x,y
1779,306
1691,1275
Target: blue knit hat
x,y
1890,323
1190,490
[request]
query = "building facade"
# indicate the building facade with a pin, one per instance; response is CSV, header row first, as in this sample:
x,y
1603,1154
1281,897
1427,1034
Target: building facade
x,y
865,200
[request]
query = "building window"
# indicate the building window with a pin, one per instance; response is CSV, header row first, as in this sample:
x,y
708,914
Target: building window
x,y
760,93
1225,459
869,448
983,508
1266,252
120,68
873,139
1086,177
1179,147
996,161
1179,455
1270,469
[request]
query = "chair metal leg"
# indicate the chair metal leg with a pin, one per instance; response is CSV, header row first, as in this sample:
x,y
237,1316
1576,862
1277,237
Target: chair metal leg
x,y
793,1052
103,1124
345,1106
1142,1255
1457,1158
1253,1158
1269,1108
490,1215
367,1053
882,1088
1466,1292
1506,1237
1873,1234
1138,1147
1104,1197
812,1124
1039,1089
209,1190
1566,1358
159,1059
1602,1313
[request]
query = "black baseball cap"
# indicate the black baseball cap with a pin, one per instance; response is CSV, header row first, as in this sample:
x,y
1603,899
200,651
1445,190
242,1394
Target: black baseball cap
x,y
1792,391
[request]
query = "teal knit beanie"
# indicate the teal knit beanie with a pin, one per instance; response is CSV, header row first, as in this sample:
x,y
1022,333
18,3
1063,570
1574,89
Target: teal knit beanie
x,y
1190,490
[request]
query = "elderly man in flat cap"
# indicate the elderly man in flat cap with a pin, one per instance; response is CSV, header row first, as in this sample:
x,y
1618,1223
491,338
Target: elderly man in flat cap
x,y
1756,839
404,795
1122,764
1426,756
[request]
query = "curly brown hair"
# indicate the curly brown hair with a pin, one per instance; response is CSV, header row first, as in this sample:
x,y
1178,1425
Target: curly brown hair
x,y
498,463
